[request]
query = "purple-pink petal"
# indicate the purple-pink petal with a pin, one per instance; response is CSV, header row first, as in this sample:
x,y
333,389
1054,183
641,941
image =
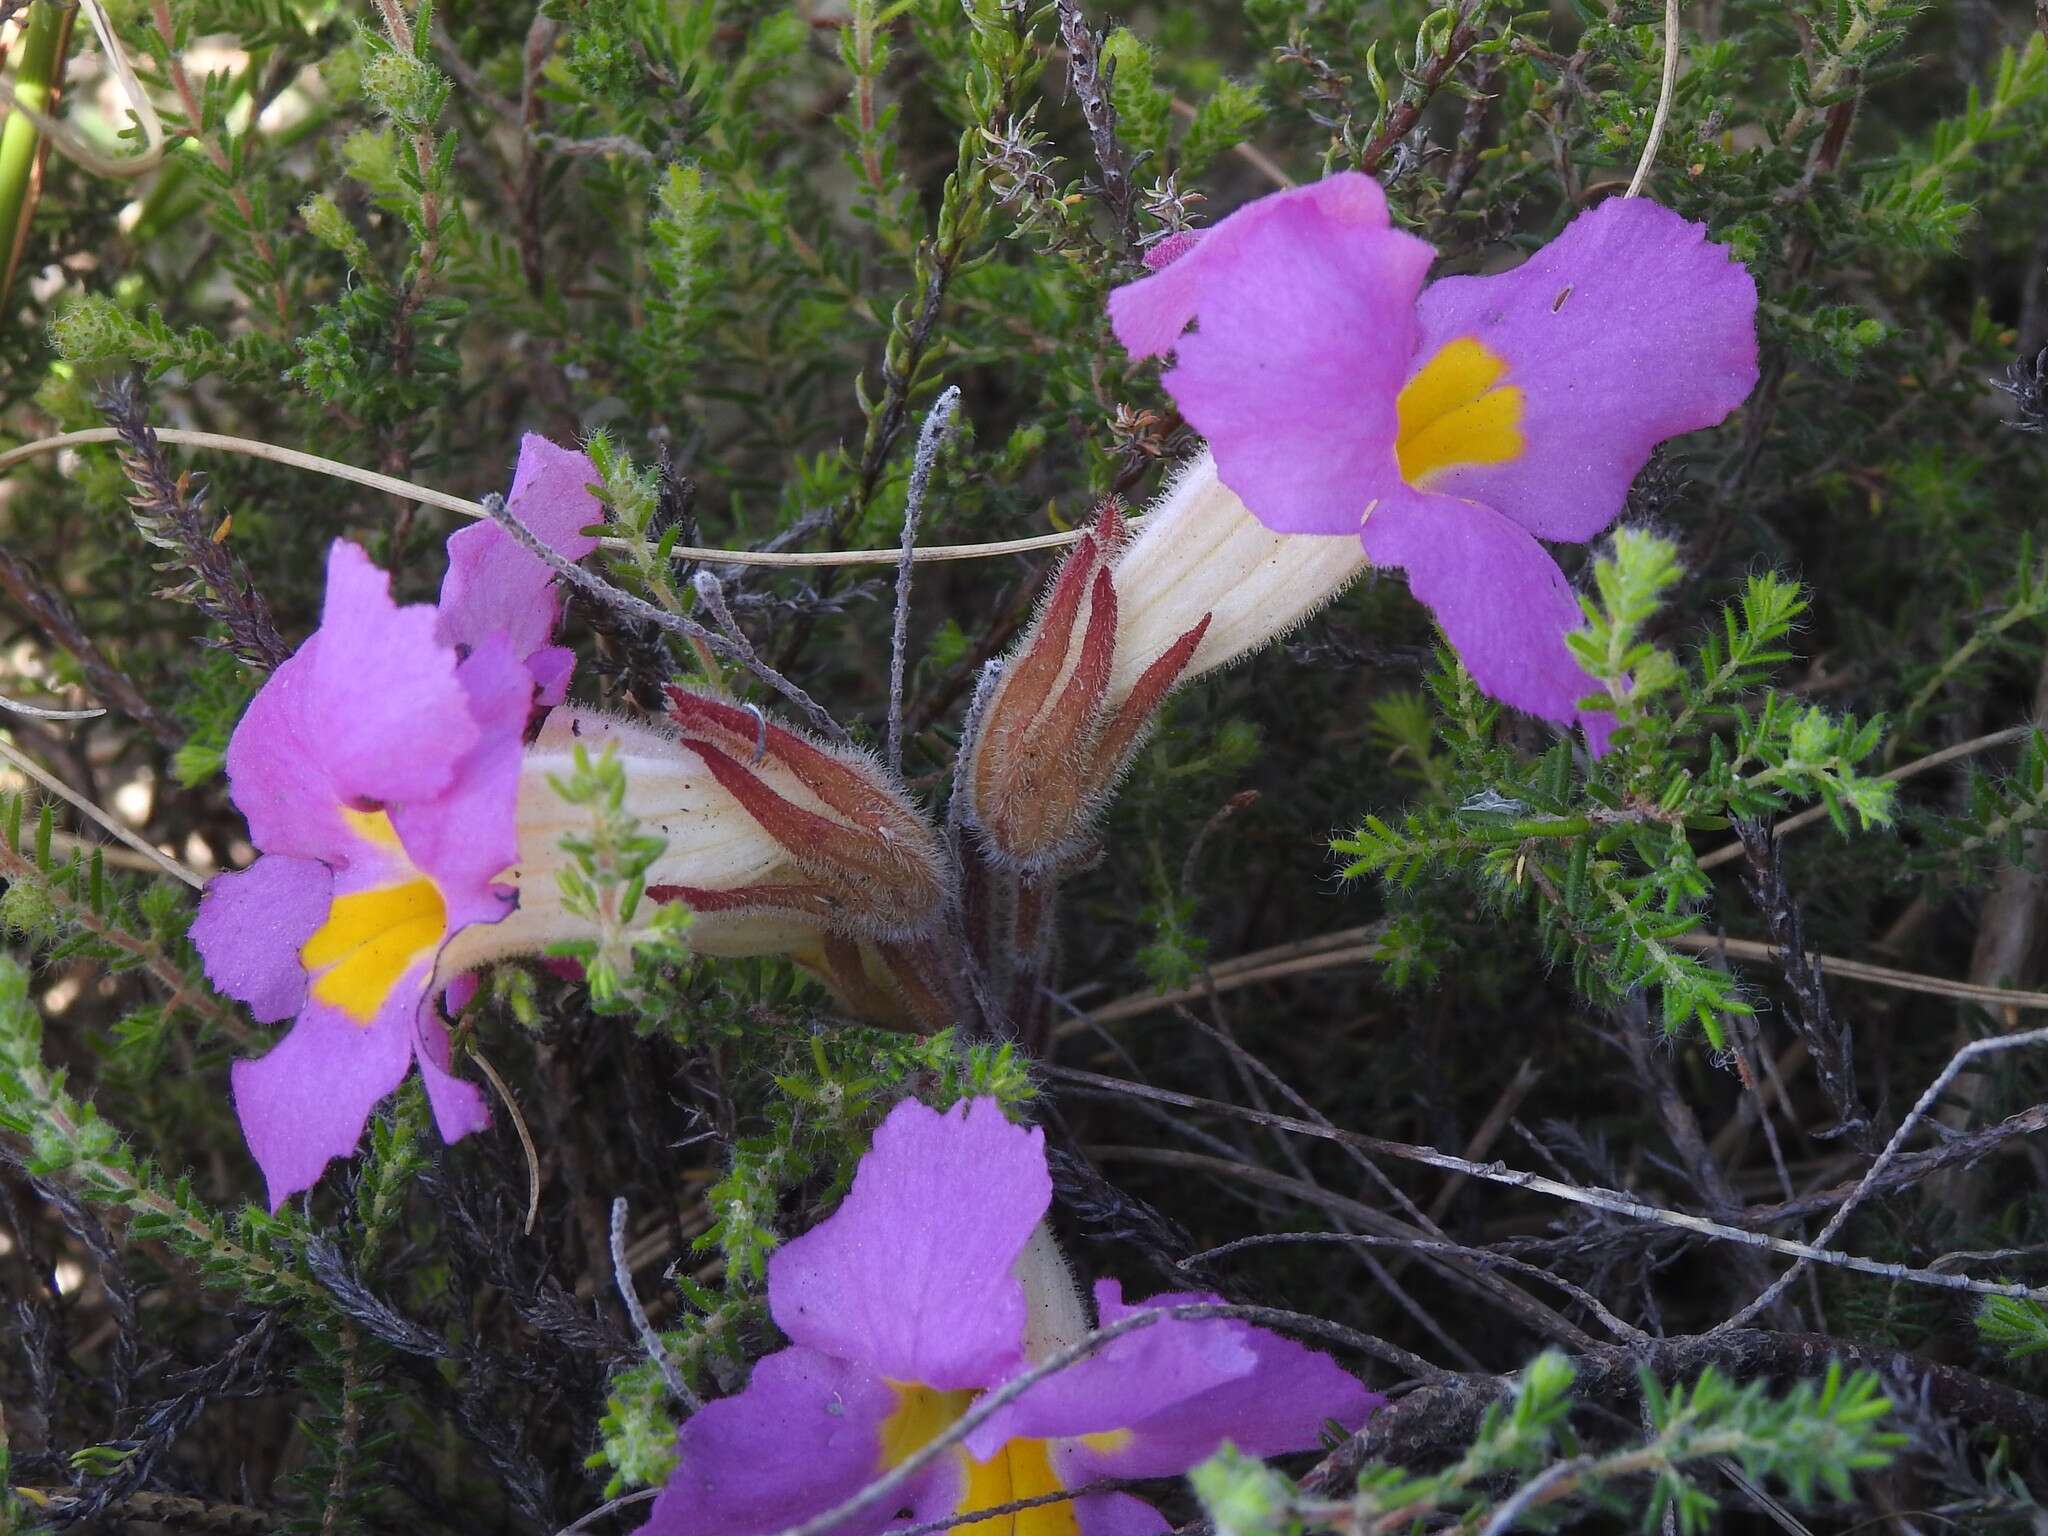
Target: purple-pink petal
x,y
804,1436
459,1105
276,775
1629,328
1278,1406
1498,595
1149,315
1118,1514
551,666
367,711
384,711
306,1102
1272,1410
1131,1380
1304,313
496,587
467,837
911,1276
250,927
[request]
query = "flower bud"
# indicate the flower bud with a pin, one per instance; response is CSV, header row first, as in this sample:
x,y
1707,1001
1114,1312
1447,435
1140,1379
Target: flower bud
x,y
713,845
1127,620
859,857
810,854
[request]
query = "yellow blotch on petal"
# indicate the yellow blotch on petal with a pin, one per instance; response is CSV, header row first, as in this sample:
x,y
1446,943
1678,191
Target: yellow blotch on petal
x,y
370,939
373,827
921,1415
1022,1469
1456,412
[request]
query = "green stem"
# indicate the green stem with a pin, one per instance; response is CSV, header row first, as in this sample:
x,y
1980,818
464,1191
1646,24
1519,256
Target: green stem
x,y
41,56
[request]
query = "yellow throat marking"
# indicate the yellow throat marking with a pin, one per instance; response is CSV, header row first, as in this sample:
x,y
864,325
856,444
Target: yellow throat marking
x,y
372,938
1456,412
1021,1469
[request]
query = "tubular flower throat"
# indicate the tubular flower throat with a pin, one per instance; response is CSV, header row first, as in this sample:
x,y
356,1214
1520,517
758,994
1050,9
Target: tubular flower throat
x,y
745,852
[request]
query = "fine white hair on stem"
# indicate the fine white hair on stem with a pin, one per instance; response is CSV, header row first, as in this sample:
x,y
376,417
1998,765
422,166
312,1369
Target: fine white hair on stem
x,y
427,495
1667,85
1920,1110
931,437
622,1275
65,792
711,592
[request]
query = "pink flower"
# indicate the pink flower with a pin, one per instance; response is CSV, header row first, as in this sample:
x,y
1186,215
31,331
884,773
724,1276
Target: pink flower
x,y
379,772
936,1280
1449,428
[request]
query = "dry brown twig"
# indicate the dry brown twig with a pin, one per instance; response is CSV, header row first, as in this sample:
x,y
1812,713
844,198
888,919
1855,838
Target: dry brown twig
x,y
1356,946
1920,1110
155,856
1614,1202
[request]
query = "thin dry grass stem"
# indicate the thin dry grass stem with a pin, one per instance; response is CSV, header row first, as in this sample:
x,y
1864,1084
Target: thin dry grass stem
x,y
1920,1110
1729,852
75,146
1858,970
428,496
1619,1327
149,851
1244,149
1346,946
1666,88
1526,1077
1015,1506
728,641
923,1528
1251,1072
38,712
1539,1317
118,855
1355,946
1593,1196
525,1136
